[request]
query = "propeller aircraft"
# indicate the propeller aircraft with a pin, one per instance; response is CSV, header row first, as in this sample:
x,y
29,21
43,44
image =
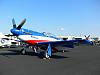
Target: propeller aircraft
x,y
41,40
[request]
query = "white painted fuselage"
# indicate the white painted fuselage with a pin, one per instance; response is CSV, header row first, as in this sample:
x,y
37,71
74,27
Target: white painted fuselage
x,y
33,39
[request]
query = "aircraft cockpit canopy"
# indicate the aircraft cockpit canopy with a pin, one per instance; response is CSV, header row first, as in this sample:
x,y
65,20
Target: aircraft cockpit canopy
x,y
47,34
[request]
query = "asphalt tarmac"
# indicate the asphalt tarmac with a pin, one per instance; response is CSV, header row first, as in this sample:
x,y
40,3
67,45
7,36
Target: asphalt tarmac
x,y
81,60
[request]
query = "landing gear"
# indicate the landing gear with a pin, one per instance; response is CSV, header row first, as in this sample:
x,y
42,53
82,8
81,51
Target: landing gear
x,y
63,51
46,56
48,52
23,51
35,48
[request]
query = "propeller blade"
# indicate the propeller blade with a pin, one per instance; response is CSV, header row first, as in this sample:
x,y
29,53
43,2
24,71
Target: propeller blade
x,y
21,24
85,35
88,36
13,22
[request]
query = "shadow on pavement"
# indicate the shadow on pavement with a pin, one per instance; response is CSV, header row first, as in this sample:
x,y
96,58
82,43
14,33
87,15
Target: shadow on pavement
x,y
30,53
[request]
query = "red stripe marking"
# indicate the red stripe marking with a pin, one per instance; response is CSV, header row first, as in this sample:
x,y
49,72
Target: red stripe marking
x,y
35,41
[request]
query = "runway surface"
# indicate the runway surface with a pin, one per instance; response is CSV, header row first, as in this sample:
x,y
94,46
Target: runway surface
x,y
82,60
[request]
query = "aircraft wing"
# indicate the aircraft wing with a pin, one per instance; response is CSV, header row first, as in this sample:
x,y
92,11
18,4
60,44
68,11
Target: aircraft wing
x,y
47,44
82,41
69,44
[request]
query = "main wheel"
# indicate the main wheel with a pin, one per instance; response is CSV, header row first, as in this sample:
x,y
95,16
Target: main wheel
x,y
23,51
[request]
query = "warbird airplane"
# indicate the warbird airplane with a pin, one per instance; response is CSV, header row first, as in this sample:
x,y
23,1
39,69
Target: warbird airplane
x,y
41,40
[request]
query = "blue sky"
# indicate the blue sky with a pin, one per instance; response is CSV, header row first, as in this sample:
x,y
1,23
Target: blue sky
x,y
60,17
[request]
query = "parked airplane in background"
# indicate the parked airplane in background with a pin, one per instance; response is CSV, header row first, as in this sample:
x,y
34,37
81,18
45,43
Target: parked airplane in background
x,y
41,40
77,38
7,41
